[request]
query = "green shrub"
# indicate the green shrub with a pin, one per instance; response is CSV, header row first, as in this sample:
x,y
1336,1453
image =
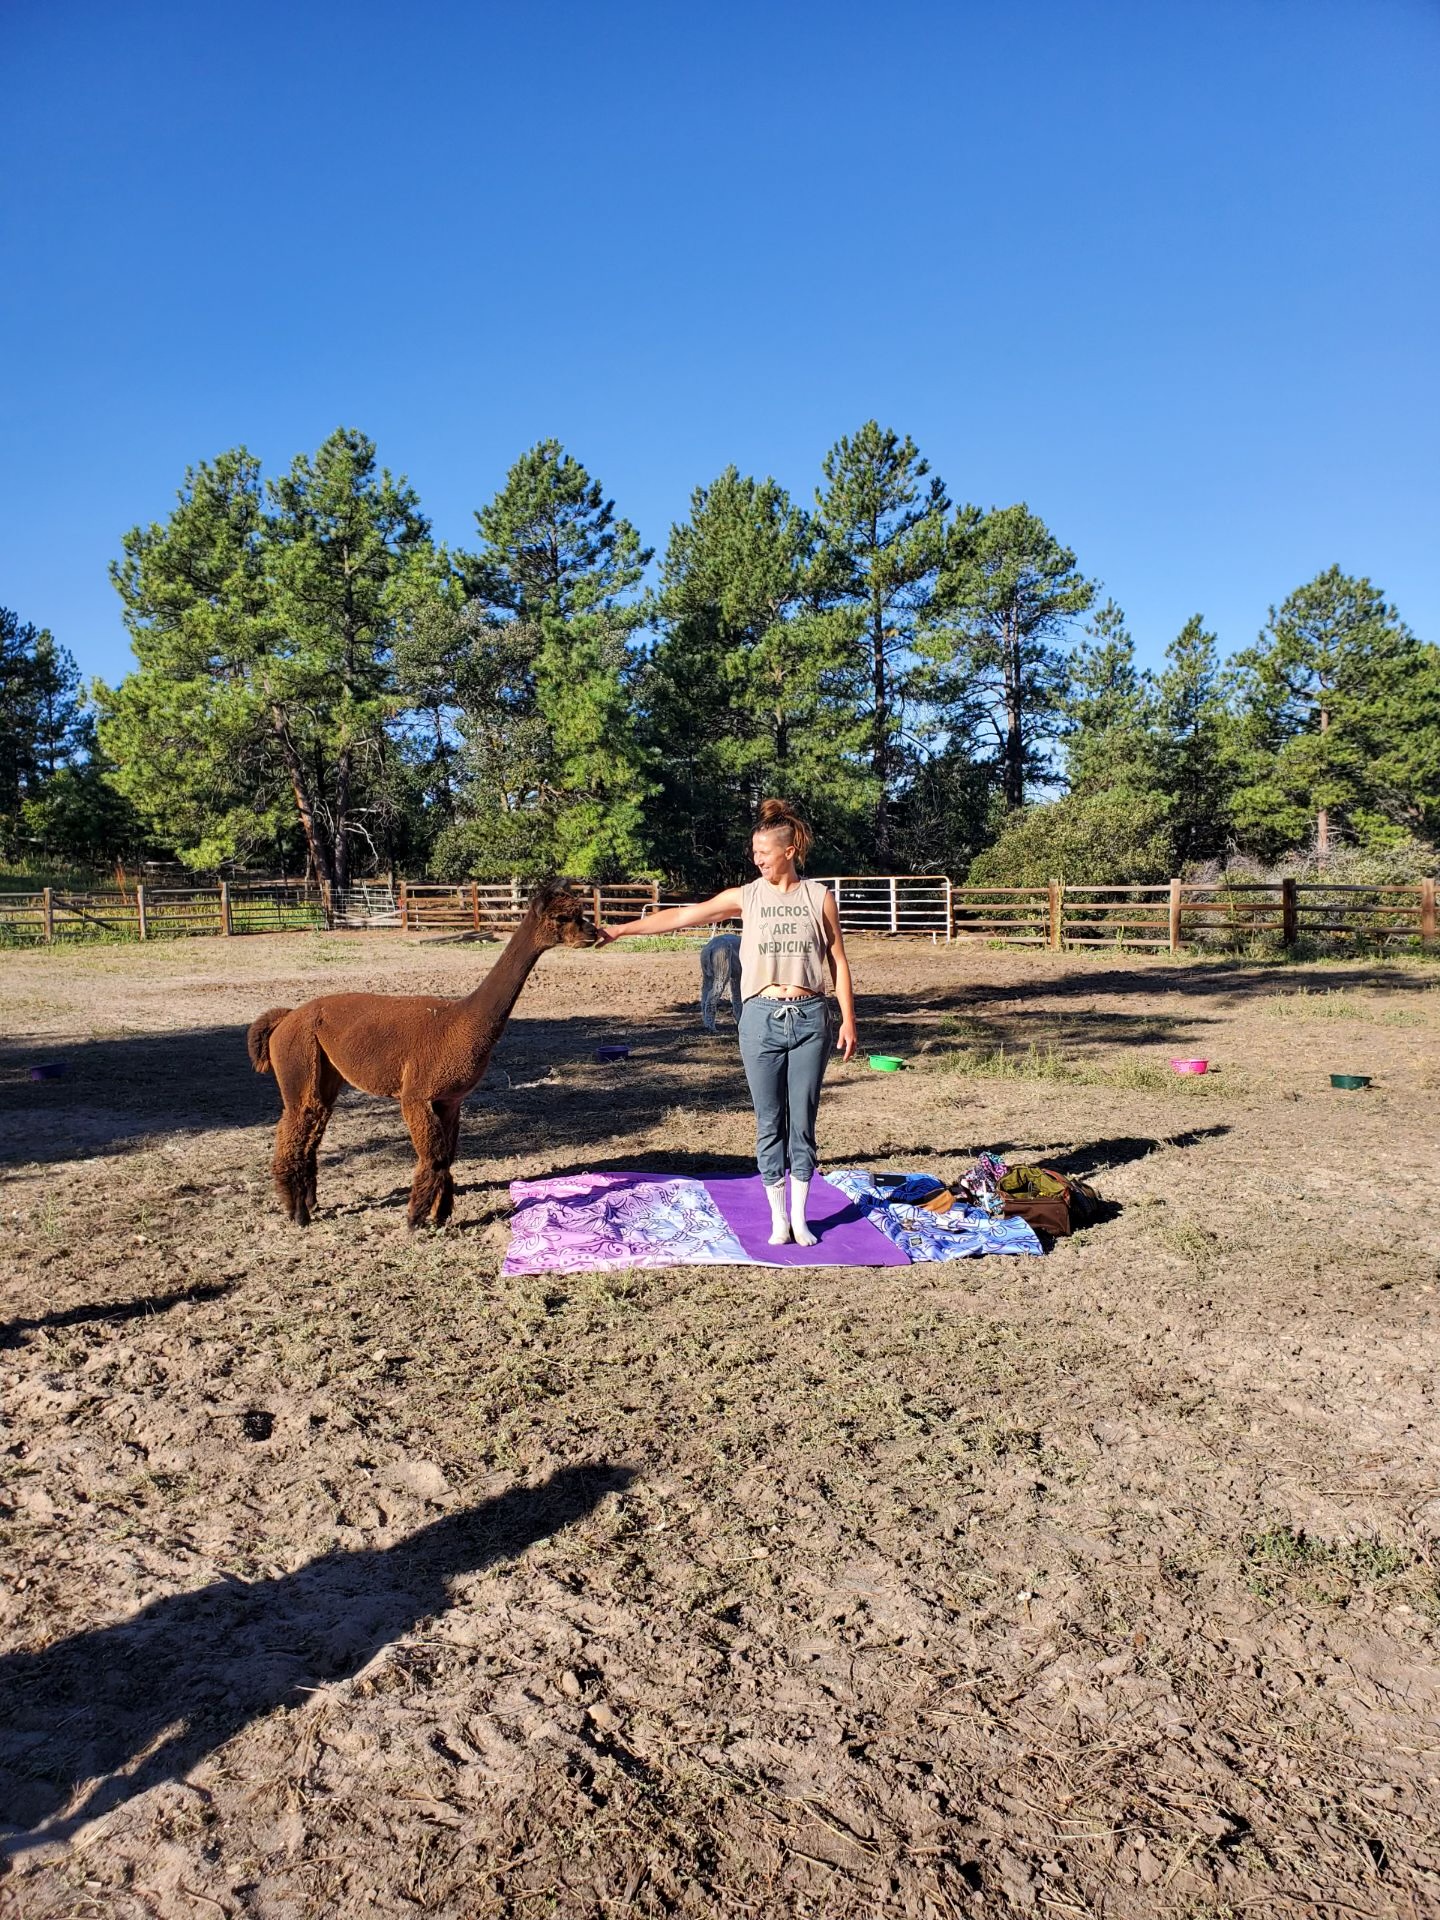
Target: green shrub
x,y
1111,838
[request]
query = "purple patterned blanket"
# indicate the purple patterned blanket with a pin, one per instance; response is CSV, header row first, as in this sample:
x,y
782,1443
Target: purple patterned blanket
x,y
592,1222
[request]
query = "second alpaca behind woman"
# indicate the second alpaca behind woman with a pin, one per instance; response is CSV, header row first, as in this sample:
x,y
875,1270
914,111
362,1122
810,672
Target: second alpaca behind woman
x,y
789,931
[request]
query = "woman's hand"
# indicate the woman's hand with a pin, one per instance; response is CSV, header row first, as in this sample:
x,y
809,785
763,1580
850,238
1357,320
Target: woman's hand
x,y
848,1041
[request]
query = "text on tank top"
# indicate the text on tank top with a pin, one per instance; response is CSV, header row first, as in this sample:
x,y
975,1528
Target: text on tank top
x,y
782,937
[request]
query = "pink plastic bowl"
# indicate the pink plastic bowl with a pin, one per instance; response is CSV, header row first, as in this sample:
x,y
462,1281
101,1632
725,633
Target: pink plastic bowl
x,y
1190,1066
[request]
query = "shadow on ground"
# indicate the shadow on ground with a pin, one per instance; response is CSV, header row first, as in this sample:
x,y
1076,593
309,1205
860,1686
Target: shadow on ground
x,y
545,1087
114,1312
116,1093
196,1668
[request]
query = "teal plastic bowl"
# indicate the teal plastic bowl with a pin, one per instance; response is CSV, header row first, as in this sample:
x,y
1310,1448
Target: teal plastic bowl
x,y
1351,1082
885,1063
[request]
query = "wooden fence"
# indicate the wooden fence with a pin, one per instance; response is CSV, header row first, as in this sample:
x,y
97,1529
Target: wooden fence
x,y
1161,918
1186,913
159,913
481,907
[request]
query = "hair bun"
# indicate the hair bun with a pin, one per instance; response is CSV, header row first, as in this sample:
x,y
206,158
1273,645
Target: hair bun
x,y
776,816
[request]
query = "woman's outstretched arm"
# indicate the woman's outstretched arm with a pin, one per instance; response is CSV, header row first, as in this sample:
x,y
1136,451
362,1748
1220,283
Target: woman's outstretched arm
x,y
724,906
844,985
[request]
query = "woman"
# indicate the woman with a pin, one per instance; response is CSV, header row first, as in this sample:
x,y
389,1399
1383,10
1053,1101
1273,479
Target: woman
x,y
788,930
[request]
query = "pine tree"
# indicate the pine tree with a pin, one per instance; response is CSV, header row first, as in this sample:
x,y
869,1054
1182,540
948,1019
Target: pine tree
x,y
339,539
1341,711
44,732
744,693
262,690
1109,710
1195,745
881,524
192,730
1005,600
553,774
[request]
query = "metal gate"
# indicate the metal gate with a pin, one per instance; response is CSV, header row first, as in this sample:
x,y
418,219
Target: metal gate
x,y
892,903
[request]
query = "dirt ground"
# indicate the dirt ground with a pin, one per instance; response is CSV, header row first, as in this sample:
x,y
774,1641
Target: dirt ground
x,y
342,1576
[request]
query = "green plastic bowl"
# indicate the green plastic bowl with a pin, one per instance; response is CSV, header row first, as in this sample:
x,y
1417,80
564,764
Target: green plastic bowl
x,y
885,1063
1351,1081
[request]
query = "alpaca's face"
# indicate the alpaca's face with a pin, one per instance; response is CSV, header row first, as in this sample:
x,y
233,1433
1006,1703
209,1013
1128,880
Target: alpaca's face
x,y
566,917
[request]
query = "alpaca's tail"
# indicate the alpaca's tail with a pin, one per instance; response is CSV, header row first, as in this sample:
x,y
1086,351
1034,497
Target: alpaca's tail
x,y
257,1040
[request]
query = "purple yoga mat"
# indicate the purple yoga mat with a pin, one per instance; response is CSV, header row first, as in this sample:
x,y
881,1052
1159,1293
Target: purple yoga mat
x,y
846,1237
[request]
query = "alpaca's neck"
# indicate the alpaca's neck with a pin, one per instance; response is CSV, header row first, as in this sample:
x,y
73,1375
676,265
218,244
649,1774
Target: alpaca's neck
x,y
490,1004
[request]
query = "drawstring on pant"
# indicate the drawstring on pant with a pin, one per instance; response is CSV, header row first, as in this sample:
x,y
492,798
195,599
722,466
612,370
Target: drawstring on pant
x,y
786,1009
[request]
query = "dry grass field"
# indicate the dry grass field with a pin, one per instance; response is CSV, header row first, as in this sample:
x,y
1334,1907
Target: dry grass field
x,y
342,1576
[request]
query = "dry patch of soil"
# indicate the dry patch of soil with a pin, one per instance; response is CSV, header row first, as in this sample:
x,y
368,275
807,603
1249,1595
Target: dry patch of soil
x,y
342,1576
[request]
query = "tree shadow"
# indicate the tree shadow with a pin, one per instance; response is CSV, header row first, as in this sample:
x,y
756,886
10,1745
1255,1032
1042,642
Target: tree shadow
x,y
952,1021
115,1312
1199,978
678,1163
1095,1156
544,1087
114,1092
1104,1156
125,1707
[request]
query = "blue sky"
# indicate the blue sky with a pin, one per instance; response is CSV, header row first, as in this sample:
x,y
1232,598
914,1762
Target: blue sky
x,y
1166,271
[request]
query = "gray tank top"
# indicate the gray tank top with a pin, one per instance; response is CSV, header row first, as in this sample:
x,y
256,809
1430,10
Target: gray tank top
x,y
783,942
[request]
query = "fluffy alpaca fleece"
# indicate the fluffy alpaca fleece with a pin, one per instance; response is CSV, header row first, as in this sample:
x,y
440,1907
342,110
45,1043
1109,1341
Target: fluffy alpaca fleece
x,y
423,1051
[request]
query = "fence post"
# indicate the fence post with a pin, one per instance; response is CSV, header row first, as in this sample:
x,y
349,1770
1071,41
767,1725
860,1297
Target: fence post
x,y
226,925
402,908
475,905
1427,913
1289,918
1057,900
949,910
140,921
894,924
48,910
1174,916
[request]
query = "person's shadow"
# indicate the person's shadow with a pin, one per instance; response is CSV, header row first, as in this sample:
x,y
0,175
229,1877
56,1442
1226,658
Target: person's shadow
x,y
193,1669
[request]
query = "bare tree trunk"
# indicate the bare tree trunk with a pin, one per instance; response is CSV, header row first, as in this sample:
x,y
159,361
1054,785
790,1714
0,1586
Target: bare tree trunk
x,y
314,836
342,814
1322,817
1014,768
880,757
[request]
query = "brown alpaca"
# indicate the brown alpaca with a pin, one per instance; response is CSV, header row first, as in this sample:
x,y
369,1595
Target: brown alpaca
x,y
425,1052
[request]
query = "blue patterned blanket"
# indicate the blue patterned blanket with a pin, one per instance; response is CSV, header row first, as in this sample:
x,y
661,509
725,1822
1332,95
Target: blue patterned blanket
x,y
960,1234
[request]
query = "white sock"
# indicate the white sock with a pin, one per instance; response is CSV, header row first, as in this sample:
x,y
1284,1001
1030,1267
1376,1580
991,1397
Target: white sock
x,y
779,1224
799,1194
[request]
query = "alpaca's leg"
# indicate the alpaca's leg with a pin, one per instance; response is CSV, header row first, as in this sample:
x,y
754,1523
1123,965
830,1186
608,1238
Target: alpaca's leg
x,y
445,1203
428,1129
288,1167
308,1086
327,1091
297,1142
289,1062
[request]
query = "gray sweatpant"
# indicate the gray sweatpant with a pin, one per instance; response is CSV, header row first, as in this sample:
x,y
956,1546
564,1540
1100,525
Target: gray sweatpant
x,y
784,1045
